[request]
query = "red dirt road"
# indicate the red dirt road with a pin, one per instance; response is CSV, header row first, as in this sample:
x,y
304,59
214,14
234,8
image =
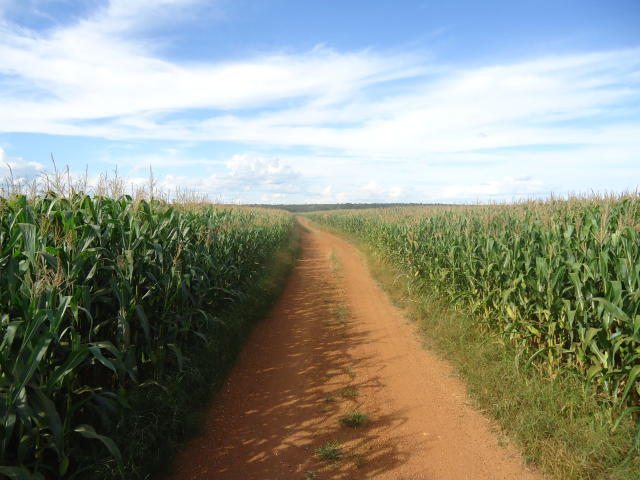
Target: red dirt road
x,y
333,345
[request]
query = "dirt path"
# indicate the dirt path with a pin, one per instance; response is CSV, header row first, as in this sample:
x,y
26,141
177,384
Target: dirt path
x,y
334,345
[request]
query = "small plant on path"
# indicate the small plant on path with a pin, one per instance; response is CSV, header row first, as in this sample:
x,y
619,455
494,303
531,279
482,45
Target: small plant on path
x,y
342,314
359,461
350,392
354,419
330,451
334,261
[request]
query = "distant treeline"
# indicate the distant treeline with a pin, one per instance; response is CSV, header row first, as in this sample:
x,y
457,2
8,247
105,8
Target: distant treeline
x,y
314,207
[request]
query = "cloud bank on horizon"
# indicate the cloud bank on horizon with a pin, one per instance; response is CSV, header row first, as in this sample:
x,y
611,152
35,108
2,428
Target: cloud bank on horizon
x,y
214,100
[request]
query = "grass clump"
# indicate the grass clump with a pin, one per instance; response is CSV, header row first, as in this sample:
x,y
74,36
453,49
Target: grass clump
x,y
330,451
334,261
354,420
350,392
342,314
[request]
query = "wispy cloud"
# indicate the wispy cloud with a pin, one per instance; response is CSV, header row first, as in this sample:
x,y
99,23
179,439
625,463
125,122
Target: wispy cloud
x,y
91,71
508,187
105,76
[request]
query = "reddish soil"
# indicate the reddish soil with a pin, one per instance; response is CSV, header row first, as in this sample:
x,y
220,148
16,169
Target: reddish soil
x,y
332,345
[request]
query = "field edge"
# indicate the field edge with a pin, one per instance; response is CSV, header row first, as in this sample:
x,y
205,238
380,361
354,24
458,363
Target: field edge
x,y
555,422
161,420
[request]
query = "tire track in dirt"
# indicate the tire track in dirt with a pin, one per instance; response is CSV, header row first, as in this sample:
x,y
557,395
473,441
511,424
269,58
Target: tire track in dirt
x,y
334,344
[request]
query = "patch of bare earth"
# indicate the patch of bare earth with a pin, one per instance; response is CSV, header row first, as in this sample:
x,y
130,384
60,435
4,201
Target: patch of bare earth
x,y
335,345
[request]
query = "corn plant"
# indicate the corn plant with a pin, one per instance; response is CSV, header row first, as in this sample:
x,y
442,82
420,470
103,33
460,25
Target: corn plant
x,y
560,280
99,296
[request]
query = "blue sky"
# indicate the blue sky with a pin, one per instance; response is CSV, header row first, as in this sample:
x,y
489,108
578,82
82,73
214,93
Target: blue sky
x,y
278,101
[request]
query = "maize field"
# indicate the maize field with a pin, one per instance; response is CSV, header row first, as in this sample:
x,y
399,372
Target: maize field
x,y
559,279
99,296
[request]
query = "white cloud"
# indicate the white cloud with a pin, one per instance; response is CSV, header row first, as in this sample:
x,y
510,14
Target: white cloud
x,y
372,191
92,70
162,159
17,170
494,107
245,169
327,194
501,189
124,15
247,179
105,76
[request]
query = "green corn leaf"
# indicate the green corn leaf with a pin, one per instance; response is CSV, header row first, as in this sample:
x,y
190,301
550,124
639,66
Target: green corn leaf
x,y
51,419
87,431
614,310
593,371
178,353
144,322
631,381
29,369
28,231
75,358
97,354
10,332
20,473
